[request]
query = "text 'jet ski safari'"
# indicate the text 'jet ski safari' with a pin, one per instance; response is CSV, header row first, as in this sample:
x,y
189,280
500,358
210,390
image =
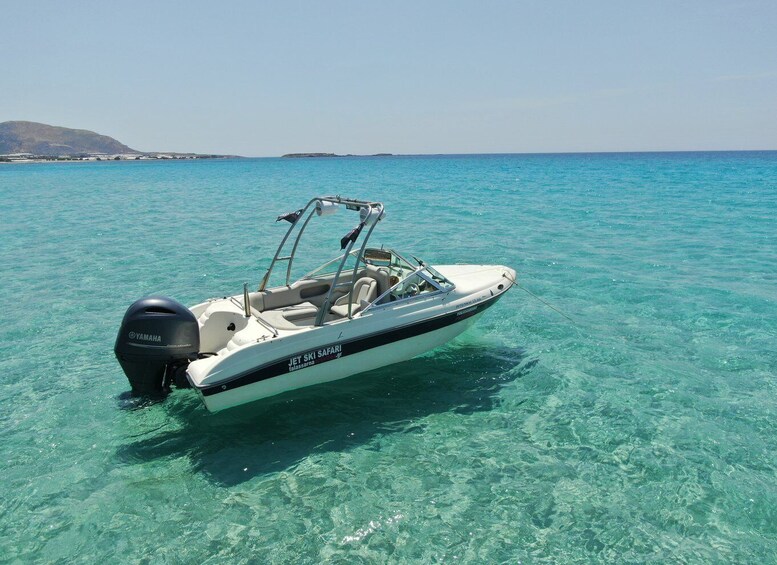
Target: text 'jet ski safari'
x,y
366,308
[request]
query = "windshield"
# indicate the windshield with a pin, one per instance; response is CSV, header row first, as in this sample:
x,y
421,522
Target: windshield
x,y
400,268
444,283
404,278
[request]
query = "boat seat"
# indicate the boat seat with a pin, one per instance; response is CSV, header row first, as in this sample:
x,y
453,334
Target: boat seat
x,y
277,320
365,290
381,275
299,311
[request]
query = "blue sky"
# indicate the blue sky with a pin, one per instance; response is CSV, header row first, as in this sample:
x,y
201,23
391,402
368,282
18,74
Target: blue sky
x,y
263,79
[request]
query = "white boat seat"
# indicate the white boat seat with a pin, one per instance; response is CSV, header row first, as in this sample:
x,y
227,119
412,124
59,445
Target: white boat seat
x,y
294,317
381,275
365,290
299,311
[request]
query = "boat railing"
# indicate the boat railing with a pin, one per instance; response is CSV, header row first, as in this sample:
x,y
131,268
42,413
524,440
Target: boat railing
x,y
267,325
246,306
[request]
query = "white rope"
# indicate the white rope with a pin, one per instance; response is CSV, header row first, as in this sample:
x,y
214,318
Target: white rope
x,y
549,305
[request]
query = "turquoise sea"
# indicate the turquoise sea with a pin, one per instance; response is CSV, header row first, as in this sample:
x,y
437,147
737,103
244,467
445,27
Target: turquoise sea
x,y
643,431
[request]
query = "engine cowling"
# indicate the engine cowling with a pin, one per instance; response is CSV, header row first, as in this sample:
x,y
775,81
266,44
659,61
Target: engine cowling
x,y
158,337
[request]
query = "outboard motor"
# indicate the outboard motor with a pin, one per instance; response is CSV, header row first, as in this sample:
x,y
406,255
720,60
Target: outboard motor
x,y
157,340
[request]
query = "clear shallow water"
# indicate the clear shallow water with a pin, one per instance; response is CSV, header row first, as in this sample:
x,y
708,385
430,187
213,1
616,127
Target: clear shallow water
x,y
644,431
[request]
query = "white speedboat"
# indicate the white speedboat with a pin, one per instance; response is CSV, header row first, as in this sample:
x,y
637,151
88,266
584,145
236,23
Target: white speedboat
x,y
366,308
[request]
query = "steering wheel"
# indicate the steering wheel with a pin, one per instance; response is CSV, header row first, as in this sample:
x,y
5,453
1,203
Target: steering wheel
x,y
411,290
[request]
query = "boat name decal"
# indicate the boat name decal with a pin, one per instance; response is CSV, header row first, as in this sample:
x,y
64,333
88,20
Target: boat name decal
x,y
315,356
474,301
470,306
466,310
146,337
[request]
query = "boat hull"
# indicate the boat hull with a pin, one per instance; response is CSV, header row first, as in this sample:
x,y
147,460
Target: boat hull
x,y
336,361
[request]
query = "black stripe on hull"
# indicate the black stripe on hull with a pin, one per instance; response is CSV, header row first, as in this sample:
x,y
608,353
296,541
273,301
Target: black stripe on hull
x,y
343,349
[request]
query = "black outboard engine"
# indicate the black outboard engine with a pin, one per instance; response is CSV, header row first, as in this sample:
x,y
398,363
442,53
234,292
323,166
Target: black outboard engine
x,y
157,340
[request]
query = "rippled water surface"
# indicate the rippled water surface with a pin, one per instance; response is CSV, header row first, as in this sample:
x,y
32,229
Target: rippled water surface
x,y
645,430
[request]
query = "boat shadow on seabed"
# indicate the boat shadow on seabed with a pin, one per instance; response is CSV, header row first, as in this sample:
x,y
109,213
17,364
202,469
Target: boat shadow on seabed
x,y
275,434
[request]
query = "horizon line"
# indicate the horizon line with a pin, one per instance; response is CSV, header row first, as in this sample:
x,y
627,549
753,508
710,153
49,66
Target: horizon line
x,y
326,155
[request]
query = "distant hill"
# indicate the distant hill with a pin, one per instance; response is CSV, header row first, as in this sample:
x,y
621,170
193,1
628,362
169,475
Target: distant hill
x,y
42,139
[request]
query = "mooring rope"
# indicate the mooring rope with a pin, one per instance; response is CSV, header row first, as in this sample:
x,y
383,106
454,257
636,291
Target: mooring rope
x,y
546,303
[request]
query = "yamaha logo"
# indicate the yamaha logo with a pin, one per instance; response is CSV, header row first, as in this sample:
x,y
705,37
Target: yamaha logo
x,y
145,337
